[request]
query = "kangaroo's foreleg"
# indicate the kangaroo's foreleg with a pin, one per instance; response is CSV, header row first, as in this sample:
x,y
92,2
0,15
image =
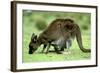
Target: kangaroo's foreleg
x,y
44,47
48,46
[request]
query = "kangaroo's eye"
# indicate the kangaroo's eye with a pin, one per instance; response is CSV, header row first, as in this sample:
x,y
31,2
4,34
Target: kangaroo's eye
x,y
34,40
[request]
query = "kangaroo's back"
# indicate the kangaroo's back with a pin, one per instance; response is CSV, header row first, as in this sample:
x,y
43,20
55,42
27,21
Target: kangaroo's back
x,y
53,31
57,29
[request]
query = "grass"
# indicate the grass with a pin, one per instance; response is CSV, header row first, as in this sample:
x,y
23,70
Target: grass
x,y
74,53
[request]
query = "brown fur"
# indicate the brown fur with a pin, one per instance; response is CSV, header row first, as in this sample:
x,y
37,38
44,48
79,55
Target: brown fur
x,y
65,28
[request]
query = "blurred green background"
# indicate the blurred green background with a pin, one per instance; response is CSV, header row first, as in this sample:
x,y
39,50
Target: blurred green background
x,y
37,21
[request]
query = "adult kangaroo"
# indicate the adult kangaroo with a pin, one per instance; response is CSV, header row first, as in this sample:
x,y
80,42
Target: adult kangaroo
x,y
59,33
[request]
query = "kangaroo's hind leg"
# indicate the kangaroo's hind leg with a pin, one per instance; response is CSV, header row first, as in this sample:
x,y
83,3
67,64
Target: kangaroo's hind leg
x,y
57,49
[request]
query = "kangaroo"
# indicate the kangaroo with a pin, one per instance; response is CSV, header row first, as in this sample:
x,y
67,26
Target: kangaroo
x,y
58,33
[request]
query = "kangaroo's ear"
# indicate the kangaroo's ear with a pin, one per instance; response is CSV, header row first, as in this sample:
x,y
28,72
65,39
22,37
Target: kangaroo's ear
x,y
35,37
34,40
32,37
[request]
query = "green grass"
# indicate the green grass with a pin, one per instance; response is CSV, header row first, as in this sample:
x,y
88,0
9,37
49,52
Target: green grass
x,y
74,53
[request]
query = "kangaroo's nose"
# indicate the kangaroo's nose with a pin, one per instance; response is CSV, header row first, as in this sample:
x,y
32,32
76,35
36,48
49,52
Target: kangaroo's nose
x,y
30,49
30,52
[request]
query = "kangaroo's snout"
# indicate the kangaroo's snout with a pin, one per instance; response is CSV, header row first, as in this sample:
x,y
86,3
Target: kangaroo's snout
x,y
30,50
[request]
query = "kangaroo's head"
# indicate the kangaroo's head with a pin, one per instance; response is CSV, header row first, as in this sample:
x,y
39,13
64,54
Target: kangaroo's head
x,y
33,45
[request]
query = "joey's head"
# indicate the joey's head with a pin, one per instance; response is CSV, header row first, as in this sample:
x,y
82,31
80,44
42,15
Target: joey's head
x,y
33,45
